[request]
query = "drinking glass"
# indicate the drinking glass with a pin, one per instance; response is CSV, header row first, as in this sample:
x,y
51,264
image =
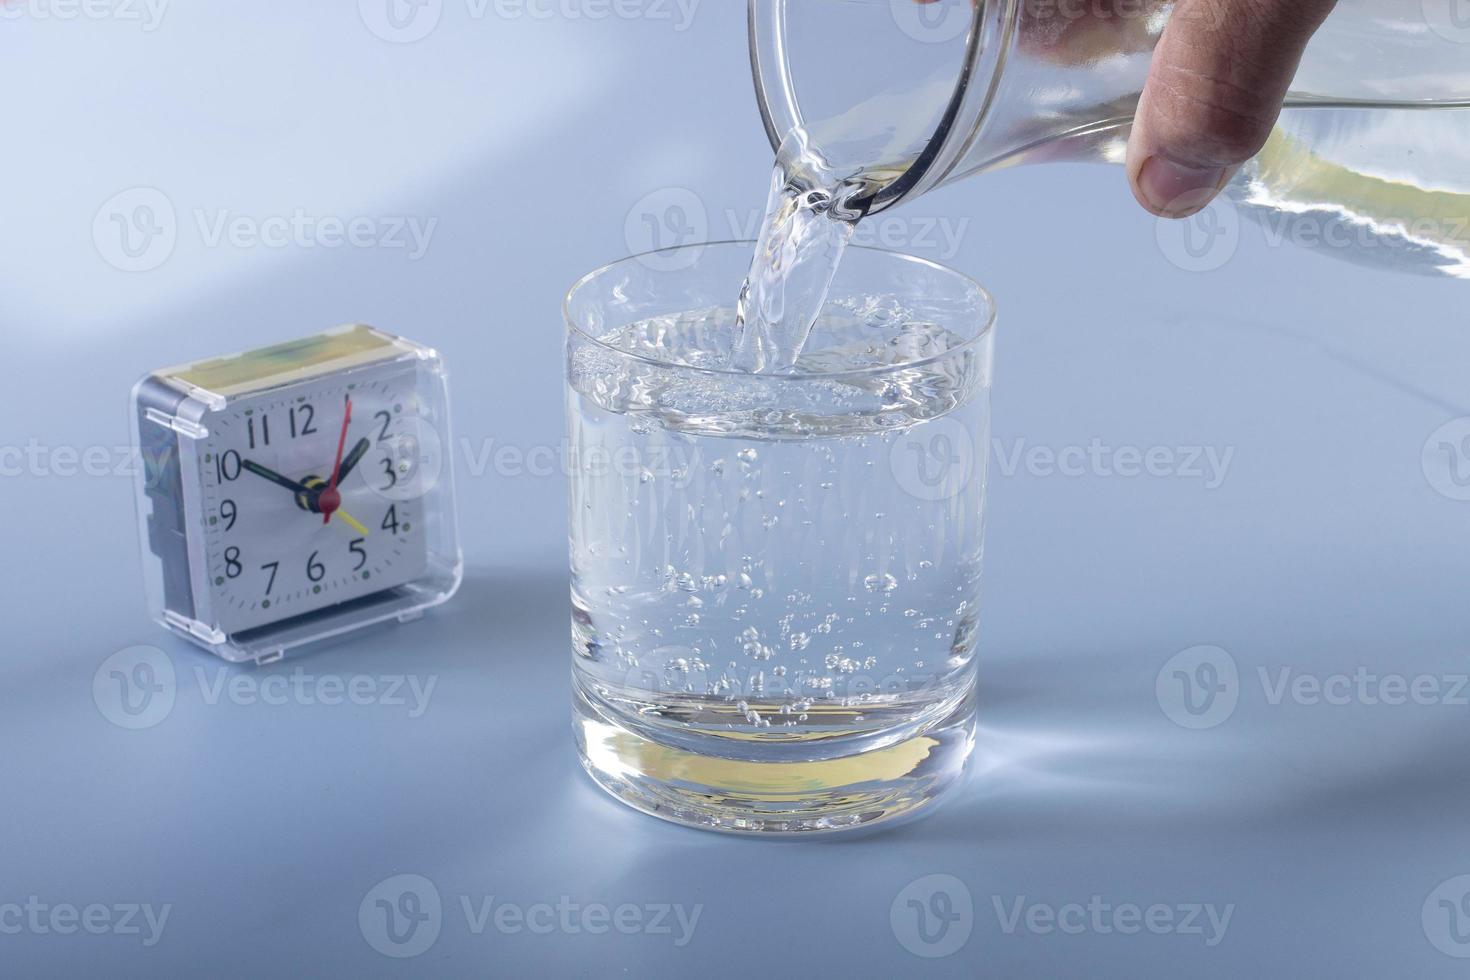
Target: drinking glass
x,y
775,578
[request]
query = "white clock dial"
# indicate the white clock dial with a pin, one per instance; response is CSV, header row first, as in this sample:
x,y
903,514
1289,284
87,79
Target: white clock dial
x,y
280,540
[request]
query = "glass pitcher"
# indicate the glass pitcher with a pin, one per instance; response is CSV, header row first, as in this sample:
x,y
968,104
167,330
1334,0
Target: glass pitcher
x,y
909,96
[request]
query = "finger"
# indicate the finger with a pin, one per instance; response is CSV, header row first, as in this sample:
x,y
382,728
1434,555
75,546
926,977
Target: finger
x,y
1219,76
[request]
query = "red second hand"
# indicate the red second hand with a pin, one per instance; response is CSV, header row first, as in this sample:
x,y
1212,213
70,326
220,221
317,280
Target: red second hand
x,y
331,498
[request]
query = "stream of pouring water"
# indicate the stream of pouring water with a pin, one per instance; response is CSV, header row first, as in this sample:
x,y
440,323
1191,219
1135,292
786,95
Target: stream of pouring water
x,y
810,218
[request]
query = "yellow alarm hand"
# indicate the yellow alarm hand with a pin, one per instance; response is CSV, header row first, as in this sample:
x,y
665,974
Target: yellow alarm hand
x,y
351,521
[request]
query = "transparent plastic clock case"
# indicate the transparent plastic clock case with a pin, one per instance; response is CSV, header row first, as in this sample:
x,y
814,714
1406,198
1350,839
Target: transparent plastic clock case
x,y
239,554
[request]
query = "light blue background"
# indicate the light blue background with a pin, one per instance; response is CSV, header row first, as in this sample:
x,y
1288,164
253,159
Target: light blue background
x,y
532,143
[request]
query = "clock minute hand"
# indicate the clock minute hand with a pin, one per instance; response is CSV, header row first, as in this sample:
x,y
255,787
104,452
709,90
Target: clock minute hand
x,y
331,498
274,477
352,459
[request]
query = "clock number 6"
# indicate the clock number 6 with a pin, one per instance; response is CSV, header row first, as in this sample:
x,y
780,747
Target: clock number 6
x,y
315,570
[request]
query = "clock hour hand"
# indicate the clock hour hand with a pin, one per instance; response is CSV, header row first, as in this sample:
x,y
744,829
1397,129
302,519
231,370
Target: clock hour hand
x,y
352,459
274,477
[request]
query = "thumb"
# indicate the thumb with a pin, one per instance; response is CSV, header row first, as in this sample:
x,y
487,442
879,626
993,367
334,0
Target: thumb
x,y
1215,88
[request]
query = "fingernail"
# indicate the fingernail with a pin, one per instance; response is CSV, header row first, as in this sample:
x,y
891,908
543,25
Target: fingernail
x,y
1176,191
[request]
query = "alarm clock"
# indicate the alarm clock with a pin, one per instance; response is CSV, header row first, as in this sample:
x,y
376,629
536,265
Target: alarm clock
x,y
295,493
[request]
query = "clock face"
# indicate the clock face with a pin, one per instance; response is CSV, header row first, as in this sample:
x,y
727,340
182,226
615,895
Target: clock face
x,y
282,538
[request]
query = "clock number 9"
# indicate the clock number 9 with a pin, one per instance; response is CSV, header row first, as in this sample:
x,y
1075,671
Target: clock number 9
x,y
229,512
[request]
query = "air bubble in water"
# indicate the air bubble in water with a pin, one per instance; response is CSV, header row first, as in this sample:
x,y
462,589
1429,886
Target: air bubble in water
x,y
880,583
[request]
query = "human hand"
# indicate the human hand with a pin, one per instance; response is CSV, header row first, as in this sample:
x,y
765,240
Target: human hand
x,y
1219,76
